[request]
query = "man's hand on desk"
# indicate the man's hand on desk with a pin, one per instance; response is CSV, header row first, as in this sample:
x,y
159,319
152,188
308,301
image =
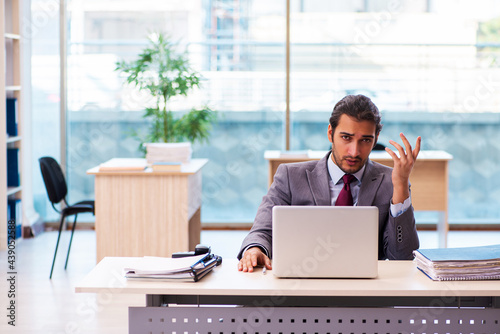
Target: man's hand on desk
x,y
253,257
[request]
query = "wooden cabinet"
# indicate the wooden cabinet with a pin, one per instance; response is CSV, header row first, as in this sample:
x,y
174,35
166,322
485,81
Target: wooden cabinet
x,y
10,88
147,213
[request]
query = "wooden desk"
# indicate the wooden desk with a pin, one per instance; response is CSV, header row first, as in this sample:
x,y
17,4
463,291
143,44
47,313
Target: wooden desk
x,y
147,213
274,305
429,180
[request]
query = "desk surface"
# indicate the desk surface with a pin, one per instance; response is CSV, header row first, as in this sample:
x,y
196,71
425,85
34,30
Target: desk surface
x,y
396,278
192,167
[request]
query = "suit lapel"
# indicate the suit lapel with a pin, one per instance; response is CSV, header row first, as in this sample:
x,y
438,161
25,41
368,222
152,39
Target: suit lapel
x,y
318,182
369,185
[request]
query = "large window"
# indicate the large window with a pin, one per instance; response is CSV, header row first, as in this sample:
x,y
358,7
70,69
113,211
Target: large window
x,y
432,67
237,46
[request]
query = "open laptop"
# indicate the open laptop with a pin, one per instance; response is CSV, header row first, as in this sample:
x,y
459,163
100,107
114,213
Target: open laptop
x,y
325,241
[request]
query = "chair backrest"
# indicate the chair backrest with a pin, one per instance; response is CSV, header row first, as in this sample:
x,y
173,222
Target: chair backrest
x,y
379,147
53,178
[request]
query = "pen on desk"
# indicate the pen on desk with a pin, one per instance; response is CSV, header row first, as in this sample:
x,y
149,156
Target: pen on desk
x,y
264,270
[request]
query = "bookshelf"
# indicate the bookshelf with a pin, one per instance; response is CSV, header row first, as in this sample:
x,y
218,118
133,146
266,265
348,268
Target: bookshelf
x,y
10,88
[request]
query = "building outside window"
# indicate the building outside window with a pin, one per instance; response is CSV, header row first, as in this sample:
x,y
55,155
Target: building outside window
x,y
432,67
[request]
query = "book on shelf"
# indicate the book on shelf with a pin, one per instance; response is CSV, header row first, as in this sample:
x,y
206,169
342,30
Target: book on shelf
x,y
190,268
11,111
13,178
123,165
15,213
459,264
166,166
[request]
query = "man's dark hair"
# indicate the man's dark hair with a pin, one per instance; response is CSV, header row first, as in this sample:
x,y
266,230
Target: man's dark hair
x,y
358,107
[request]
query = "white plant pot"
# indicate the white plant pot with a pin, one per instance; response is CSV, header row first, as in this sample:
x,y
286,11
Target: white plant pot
x,y
168,152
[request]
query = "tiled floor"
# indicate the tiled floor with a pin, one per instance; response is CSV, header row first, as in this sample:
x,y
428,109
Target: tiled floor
x,y
52,306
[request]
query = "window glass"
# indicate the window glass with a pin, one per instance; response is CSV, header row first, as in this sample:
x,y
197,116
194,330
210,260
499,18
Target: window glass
x,y
432,68
42,32
237,46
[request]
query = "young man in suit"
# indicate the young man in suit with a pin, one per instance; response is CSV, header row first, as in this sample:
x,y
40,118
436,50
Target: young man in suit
x,y
354,128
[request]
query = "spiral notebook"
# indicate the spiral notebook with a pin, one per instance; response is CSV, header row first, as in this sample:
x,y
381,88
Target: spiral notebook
x,y
459,264
191,268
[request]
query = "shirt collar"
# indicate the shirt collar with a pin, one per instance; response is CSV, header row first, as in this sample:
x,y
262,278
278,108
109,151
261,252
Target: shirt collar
x,y
336,173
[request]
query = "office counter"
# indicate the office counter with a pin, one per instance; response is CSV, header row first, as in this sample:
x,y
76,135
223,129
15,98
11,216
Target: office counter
x,y
429,179
147,213
401,299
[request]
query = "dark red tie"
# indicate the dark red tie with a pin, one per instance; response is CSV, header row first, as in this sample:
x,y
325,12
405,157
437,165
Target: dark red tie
x,y
345,196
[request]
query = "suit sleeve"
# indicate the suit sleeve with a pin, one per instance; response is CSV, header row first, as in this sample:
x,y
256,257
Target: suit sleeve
x,y
261,231
400,236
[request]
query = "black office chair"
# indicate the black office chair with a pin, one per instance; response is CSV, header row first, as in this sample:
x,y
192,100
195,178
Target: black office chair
x,y
378,147
57,190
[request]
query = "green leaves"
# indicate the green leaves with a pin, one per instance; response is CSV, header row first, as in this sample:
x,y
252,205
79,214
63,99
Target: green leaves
x,y
196,125
488,31
163,73
193,126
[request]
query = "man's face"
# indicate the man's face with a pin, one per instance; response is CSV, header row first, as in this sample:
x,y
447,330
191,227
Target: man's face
x,y
352,143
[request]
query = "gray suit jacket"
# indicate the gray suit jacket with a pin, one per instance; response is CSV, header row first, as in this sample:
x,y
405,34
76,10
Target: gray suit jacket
x,y
306,183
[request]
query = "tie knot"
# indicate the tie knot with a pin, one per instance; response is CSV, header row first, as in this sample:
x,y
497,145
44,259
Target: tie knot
x,y
348,178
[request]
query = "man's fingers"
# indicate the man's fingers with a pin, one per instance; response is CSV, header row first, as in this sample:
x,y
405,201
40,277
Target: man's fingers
x,y
250,260
402,155
242,265
391,153
267,263
417,148
411,154
246,267
254,259
249,263
409,150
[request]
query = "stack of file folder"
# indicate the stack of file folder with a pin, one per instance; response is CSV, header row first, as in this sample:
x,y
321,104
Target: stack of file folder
x,y
123,165
459,264
191,268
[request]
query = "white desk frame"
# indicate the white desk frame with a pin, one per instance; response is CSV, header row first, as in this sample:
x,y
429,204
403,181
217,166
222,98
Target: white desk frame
x,y
400,300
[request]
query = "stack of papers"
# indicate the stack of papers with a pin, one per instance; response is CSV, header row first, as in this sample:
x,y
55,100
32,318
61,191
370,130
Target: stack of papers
x,y
190,268
123,165
295,154
164,166
458,264
168,152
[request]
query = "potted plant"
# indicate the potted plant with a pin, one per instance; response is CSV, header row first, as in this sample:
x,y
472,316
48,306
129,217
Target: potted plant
x,y
163,72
